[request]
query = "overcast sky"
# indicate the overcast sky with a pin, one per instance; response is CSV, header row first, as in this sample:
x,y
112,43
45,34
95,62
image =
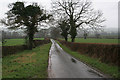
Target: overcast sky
x,y
108,7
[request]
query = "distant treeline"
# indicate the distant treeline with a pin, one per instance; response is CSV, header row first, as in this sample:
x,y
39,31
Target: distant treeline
x,y
107,35
53,32
11,35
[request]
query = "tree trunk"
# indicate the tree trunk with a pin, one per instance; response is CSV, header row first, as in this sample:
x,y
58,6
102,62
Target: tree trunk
x,y
73,32
85,37
31,35
73,39
66,39
30,43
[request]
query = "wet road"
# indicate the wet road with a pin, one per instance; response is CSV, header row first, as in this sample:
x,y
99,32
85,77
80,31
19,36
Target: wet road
x,y
62,65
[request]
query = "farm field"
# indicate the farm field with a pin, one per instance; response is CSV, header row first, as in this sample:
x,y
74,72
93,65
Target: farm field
x,y
13,42
27,64
92,40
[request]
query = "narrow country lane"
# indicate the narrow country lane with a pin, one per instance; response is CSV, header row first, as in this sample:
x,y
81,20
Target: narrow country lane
x,y
63,65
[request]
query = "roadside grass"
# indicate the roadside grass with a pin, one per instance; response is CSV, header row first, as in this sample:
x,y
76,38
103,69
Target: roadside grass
x,y
95,63
93,40
14,42
27,64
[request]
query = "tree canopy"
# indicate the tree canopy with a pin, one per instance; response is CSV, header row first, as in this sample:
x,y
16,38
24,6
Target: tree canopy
x,y
25,17
64,26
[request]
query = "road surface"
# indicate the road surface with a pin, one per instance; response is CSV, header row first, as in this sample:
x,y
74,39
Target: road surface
x,y
63,65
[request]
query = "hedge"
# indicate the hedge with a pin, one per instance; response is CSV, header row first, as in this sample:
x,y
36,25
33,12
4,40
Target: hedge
x,y
107,53
8,50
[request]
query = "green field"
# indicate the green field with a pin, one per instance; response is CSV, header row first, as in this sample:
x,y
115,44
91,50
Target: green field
x,y
92,40
13,42
27,64
105,68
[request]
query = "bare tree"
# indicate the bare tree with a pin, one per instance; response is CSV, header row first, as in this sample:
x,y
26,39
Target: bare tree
x,y
79,13
85,31
55,32
85,34
97,34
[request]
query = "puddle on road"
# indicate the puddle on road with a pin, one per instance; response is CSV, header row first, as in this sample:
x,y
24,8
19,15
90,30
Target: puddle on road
x,y
73,60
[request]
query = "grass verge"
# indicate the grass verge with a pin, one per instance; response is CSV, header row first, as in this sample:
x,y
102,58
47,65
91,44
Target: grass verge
x,y
105,68
27,64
